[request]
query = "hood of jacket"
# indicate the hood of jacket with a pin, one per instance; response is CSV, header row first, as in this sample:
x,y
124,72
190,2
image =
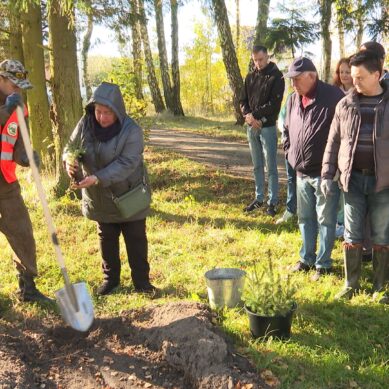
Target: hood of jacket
x,y
109,95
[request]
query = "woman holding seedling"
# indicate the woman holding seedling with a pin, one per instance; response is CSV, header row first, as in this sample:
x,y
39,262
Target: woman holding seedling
x,y
106,147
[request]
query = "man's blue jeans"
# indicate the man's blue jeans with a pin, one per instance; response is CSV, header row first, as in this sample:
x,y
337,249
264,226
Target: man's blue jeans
x,y
263,149
316,215
360,200
291,198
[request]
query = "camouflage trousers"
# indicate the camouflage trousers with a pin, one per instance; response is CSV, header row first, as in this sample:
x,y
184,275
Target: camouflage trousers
x,y
15,224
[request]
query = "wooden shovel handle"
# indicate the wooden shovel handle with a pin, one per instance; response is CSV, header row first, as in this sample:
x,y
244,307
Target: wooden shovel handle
x,y
41,193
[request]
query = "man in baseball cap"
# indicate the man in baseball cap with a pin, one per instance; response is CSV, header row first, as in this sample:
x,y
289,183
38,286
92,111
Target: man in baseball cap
x,y
309,113
14,71
300,65
15,221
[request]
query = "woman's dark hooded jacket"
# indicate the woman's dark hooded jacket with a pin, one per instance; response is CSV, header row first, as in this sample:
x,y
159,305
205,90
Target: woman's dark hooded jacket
x,y
117,163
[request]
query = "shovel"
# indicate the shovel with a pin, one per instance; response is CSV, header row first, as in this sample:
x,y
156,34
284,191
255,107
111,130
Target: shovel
x,y
73,300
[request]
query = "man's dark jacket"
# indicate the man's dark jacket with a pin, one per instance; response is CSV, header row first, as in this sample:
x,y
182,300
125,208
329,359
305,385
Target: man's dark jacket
x,y
262,94
306,130
343,138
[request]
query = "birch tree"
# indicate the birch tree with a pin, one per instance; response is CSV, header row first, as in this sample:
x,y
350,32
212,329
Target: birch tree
x,y
229,55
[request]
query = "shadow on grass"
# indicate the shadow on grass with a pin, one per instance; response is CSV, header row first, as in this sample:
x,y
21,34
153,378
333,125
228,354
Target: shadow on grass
x,y
219,222
204,184
214,189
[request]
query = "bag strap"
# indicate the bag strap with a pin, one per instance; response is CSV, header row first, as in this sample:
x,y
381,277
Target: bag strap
x,y
143,181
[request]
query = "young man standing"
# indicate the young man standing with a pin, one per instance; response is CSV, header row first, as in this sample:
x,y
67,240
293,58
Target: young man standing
x,y
15,221
358,147
261,104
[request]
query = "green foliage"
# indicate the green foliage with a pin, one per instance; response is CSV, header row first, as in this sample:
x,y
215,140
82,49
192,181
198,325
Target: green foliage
x,y
123,75
99,68
204,83
268,292
373,13
291,32
74,151
202,75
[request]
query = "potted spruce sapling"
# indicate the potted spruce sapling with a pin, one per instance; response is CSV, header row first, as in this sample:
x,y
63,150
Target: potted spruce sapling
x,y
74,153
269,299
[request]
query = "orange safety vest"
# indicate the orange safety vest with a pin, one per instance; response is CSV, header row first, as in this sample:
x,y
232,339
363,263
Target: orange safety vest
x,y
9,134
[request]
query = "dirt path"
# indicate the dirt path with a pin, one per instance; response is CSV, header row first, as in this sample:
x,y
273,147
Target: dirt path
x,y
232,157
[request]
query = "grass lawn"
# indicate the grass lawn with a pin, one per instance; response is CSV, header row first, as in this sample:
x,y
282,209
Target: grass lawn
x,y
197,224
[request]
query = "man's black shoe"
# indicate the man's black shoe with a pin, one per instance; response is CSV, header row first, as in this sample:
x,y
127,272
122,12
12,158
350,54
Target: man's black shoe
x,y
28,291
254,205
300,266
321,272
271,210
106,287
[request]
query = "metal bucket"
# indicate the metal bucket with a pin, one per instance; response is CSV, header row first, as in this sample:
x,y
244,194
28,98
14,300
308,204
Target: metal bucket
x,y
80,317
225,287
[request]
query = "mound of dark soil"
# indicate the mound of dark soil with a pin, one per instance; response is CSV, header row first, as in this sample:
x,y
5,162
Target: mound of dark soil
x,y
169,346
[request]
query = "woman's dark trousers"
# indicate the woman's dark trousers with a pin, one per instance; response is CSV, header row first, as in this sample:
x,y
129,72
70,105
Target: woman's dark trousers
x,y
134,234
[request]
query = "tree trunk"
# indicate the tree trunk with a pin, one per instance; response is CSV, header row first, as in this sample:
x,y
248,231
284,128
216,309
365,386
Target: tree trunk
x,y
358,40
38,104
4,33
84,52
163,62
325,13
229,55
136,48
237,43
152,80
15,36
65,86
178,110
261,26
342,50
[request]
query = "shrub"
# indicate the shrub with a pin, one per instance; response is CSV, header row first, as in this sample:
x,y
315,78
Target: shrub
x,y
268,292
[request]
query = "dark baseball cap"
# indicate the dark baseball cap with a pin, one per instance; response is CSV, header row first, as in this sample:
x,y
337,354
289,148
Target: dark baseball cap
x,y
300,65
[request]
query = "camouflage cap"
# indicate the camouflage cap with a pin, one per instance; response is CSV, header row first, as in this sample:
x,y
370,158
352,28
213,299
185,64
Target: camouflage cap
x,y
15,72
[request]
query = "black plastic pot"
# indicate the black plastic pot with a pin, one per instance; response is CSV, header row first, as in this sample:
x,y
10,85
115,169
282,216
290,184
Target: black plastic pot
x,y
266,326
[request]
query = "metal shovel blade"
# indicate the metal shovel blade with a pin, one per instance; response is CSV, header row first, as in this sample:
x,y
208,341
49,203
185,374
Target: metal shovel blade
x,y
79,316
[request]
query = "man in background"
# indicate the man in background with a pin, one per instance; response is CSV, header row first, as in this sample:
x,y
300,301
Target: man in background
x,y
308,119
379,50
358,147
261,103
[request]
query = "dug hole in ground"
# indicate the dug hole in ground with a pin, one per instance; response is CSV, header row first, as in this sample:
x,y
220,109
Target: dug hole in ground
x,y
169,346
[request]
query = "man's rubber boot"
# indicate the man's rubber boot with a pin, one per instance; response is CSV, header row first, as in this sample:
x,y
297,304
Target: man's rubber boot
x,y
352,267
28,290
381,271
